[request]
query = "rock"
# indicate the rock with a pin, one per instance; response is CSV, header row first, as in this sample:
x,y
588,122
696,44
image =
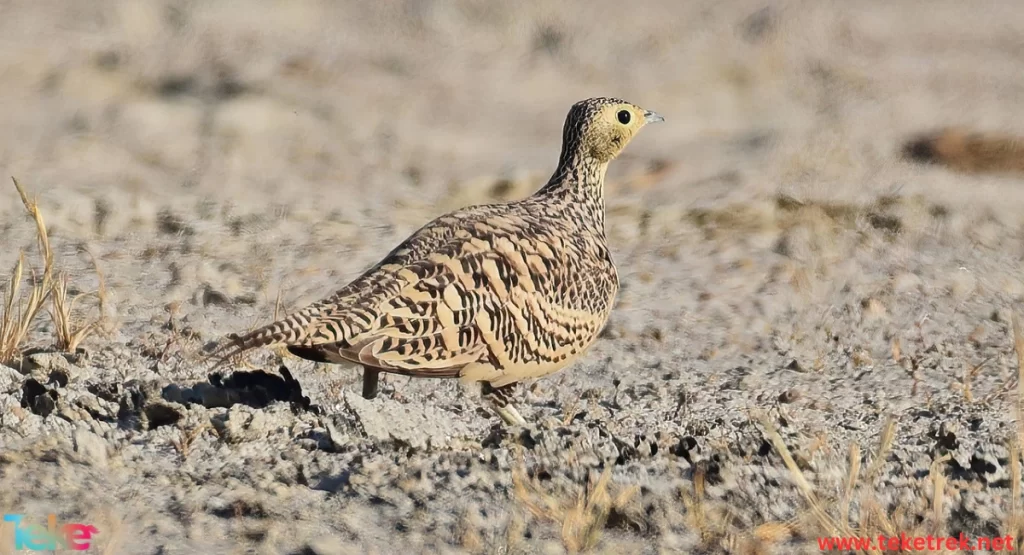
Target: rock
x,y
91,448
11,410
73,413
242,423
38,398
415,425
795,366
10,379
789,396
215,297
107,391
53,368
142,403
962,284
336,439
92,405
48,361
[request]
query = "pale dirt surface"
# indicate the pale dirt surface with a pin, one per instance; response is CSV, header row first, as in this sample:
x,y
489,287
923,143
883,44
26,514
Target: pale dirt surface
x,y
213,154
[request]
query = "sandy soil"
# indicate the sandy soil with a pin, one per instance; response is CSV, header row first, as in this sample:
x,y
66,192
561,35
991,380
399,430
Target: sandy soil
x,y
787,278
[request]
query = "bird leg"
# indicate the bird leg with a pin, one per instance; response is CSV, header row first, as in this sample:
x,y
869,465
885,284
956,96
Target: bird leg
x,y
371,381
500,399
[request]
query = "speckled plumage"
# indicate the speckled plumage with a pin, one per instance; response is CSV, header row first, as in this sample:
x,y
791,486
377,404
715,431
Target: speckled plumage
x,y
495,293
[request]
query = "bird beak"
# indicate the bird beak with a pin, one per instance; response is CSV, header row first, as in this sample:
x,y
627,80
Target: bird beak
x,y
652,117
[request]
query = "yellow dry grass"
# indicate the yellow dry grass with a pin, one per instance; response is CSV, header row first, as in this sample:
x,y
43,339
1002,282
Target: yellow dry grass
x,y
20,309
875,519
857,508
1015,522
582,517
834,527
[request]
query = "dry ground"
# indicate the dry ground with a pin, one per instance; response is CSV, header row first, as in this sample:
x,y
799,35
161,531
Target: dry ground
x,y
814,336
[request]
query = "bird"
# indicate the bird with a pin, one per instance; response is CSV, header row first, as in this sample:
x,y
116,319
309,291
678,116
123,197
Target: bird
x,y
492,294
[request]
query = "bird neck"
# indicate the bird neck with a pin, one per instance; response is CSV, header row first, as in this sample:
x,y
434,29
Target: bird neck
x,y
579,180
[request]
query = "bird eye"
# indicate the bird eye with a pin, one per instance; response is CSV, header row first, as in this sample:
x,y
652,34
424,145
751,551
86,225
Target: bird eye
x,y
624,117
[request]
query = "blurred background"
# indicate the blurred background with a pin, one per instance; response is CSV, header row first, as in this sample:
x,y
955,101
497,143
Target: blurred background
x,y
299,126
223,160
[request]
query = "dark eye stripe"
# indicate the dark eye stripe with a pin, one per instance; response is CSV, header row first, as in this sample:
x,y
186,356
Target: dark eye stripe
x,y
624,117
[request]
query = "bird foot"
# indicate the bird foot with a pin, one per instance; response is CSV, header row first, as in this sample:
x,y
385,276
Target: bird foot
x,y
510,415
500,399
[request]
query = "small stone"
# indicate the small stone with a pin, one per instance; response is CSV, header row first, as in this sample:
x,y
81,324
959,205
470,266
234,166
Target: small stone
x,y
795,366
873,309
652,332
18,412
242,423
73,413
789,396
91,448
110,392
335,438
963,284
10,379
214,297
49,361
91,404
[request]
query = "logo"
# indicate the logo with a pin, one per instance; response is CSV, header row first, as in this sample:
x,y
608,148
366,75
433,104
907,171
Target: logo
x,y
36,537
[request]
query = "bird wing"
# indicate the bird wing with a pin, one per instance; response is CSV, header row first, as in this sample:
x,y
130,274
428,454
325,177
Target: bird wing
x,y
426,327
420,310
482,310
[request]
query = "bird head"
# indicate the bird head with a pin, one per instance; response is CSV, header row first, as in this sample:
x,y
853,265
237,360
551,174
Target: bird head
x,y
600,128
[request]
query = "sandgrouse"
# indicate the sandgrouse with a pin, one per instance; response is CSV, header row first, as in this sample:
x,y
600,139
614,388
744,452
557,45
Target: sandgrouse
x,y
495,293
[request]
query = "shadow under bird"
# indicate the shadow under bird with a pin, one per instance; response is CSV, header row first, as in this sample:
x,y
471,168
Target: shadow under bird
x,y
494,294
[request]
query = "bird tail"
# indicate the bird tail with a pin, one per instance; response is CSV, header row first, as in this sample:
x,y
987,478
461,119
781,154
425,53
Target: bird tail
x,y
289,330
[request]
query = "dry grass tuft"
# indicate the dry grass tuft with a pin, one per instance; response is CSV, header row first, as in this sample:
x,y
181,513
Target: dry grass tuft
x,y
183,443
833,527
852,474
969,375
832,516
938,479
884,446
1018,347
1015,524
68,334
19,313
582,517
1015,520
875,518
20,310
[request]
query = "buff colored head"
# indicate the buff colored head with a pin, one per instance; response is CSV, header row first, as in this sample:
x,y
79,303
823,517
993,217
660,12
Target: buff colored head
x,y
600,128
